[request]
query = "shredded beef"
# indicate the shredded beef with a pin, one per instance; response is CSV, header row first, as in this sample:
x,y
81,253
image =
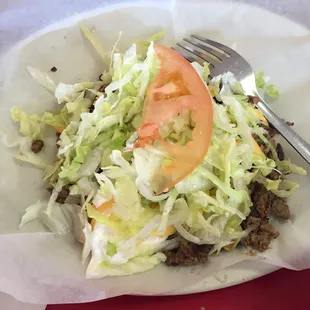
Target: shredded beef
x,y
280,208
271,131
274,175
217,101
188,253
253,99
50,189
36,146
280,151
57,138
251,221
63,194
91,108
103,87
261,201
261,231
261,235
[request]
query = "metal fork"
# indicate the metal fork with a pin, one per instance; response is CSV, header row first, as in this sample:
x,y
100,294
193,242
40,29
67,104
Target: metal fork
x,y
224,59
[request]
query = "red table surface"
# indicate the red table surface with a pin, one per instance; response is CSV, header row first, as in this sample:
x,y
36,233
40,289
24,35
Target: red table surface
x,y
281,290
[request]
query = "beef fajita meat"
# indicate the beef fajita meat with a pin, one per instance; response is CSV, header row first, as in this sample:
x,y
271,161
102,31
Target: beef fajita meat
x,y
188,253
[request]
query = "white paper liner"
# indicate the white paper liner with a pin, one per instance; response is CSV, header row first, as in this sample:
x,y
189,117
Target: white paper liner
x,y
40,267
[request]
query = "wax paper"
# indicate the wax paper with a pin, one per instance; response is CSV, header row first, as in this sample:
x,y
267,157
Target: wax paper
x,y
41,267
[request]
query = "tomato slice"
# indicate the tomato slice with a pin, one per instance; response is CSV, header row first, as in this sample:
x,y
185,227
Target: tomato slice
x,y
147,132
175,88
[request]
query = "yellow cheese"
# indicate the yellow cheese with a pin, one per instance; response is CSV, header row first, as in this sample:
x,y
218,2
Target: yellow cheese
x,y
59,129
257,150
261,117
170,230
211,90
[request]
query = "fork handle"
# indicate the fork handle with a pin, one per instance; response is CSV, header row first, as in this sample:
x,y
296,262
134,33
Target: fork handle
x,y
298,143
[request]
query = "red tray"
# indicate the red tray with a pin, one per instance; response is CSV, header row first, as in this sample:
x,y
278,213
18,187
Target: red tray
x,y
281,290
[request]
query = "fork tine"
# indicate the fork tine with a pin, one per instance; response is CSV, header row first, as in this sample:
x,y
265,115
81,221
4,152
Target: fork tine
x,y
203,56
209,50
185,55
218,45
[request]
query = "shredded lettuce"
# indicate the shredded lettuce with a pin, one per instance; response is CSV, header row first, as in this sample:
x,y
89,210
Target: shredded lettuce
x,y
69,93
62,219
269,89
127,201
285,189
42,78
259,78
138,264
130,225
32,213
94,41
272,91
30,125
143,45
287,167
102,219
24,152
60,120
179,130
